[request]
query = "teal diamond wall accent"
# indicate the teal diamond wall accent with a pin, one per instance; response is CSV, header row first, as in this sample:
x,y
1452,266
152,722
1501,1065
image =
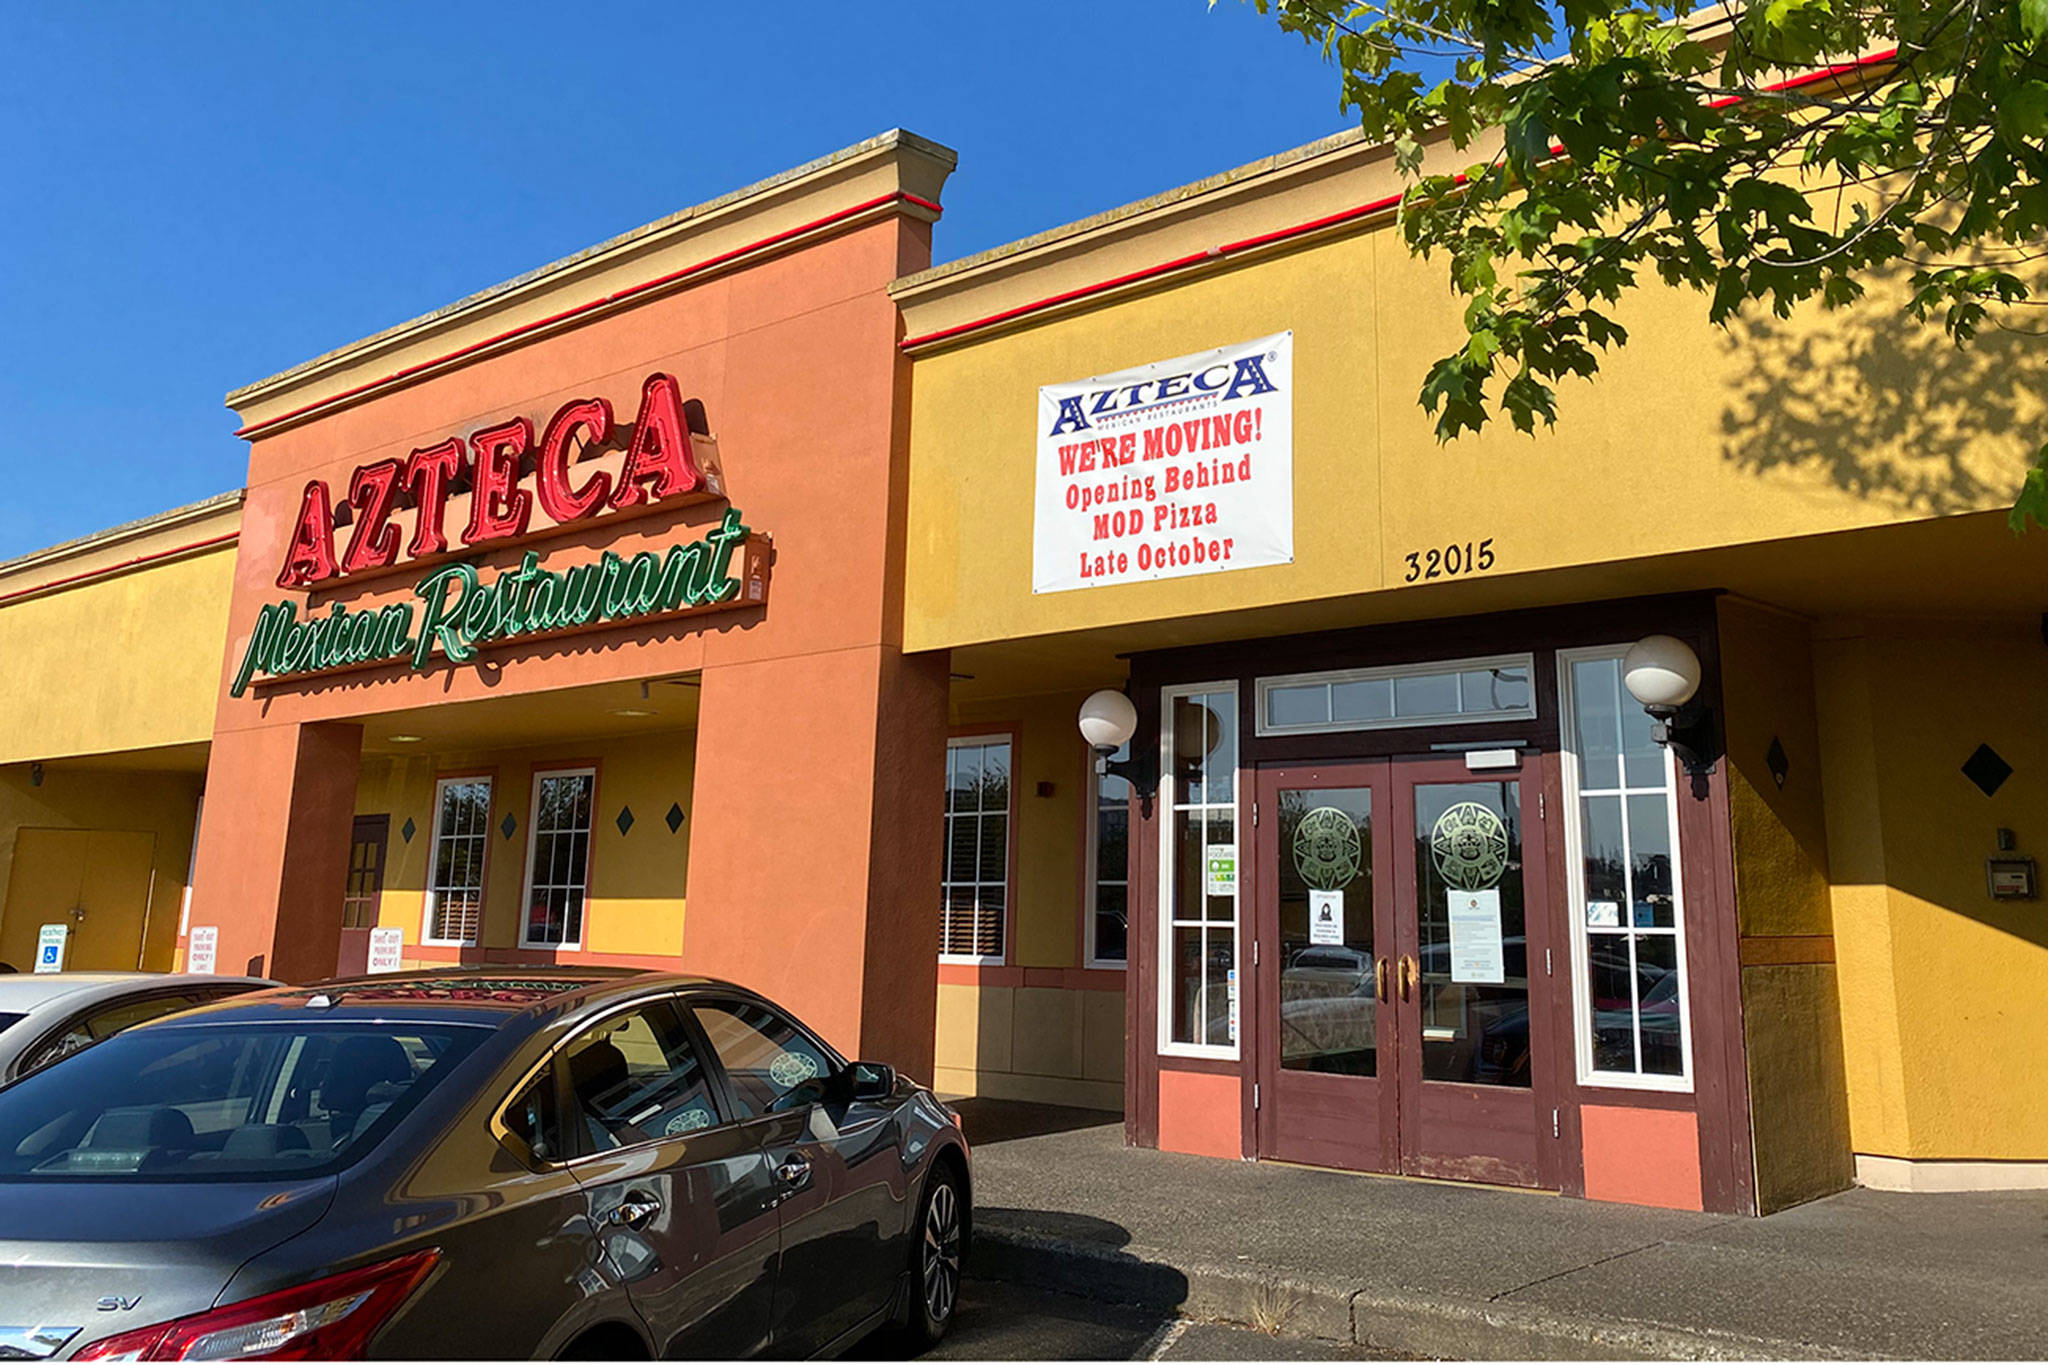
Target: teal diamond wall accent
x,y
408,829
625,820
674,818
508,824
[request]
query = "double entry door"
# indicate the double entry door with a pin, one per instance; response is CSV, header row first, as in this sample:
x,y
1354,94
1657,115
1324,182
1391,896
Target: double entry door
x,y
1403,969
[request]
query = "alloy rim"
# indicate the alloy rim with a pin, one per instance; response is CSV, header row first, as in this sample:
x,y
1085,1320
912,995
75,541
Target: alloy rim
x,y
941,1253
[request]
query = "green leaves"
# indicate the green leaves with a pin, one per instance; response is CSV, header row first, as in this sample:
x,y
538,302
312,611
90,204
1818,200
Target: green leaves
x,y
1752,170
2032,503
2034,19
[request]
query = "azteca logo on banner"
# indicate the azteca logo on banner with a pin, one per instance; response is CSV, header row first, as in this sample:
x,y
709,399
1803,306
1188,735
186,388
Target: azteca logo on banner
x,y
1181,467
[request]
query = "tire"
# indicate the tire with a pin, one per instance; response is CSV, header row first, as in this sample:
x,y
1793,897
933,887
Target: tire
x,y
935,1260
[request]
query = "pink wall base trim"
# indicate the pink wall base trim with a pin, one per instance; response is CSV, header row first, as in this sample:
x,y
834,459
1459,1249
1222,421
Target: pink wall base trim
x,y
1199,1113
1642,1156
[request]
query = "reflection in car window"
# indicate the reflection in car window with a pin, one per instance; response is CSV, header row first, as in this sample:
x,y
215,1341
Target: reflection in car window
x,y
772,1064
222,1102
635,1078
533,1119
104,1023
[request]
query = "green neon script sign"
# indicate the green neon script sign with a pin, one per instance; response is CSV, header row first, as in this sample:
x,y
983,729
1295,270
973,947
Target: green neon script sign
x,y
457,615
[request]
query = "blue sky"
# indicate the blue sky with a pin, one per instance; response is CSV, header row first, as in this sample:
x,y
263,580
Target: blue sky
x,y
198,196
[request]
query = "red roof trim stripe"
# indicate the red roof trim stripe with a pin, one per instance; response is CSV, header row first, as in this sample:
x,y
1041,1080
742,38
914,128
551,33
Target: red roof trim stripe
x,y
1299,229
110,570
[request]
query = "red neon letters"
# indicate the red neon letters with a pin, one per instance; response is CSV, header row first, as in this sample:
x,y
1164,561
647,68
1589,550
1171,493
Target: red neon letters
x,y
375,542
557,498
659,464
498,507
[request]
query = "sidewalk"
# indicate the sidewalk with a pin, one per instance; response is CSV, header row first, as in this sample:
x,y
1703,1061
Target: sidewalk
x,y
1431,1269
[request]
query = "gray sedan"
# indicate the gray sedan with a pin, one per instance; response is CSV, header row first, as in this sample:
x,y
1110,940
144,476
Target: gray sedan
x,y
51,1015
498,1162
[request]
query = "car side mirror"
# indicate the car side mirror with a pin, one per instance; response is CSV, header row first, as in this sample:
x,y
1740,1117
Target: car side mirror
x,y
870,1081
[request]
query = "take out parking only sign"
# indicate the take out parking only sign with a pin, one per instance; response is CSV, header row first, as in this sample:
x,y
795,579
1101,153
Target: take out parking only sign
x,y
1185,466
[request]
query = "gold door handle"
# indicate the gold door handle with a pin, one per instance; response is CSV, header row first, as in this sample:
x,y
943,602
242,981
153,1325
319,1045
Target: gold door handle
x,y
1379,980
1409,973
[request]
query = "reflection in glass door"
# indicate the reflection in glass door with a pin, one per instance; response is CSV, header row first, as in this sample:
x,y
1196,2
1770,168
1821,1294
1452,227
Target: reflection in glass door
x,y
1324,972
1472,949
1464,927
1329,1017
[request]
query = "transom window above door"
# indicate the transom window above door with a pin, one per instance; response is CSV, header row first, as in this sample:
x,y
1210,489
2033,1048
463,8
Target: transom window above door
x,y
1449,692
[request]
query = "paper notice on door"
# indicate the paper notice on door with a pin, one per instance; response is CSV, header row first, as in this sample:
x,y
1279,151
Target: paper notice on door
x,y
1221,862
1326,917
1603,914
1477,956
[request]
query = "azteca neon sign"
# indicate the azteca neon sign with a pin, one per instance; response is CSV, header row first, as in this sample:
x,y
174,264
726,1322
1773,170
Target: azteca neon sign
x,y
458,613
660,465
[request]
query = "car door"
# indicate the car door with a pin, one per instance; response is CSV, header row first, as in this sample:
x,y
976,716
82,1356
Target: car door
x,y
682,1198
839,1165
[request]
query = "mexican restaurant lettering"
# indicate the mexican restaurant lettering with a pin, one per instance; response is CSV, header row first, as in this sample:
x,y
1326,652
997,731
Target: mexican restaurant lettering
x,y
455,612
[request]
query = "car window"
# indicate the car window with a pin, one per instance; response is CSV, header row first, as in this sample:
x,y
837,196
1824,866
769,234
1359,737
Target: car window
x,y
247,1101
104,1022
8,1021
634,1078
772,1064
533,1116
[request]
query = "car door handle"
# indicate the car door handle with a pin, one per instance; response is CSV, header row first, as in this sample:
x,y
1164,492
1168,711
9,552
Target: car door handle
x,y
794,1171
634,1211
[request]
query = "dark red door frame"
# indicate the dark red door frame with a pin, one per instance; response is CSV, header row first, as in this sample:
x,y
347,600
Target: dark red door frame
x,y
1720,1096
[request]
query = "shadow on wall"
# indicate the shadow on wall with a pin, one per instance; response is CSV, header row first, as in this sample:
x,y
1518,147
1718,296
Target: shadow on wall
x,y
1886,408
989,1121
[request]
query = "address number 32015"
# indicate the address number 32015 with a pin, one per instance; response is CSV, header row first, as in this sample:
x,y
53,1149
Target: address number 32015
x,y
1450,561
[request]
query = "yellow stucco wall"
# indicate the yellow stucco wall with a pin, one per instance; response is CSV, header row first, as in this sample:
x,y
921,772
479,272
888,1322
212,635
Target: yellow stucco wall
x,y
1941,1001
1791,1015
638,880
1045,1043
160,803
126,662
1042,1044
1690,438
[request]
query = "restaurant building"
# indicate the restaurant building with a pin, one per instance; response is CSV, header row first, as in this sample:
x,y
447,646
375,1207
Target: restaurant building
x,y
725,598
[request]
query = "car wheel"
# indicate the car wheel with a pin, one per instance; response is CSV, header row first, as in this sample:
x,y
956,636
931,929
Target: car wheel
x,y
935,1255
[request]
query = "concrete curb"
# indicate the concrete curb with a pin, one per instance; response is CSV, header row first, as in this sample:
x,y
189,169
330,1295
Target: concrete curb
x,y
1410,1324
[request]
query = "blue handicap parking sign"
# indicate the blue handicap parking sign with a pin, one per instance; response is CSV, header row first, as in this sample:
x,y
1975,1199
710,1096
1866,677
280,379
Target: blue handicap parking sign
x,y
49,952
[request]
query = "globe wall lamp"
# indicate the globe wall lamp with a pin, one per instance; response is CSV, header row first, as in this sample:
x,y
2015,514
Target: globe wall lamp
x,y
1108,720
1663,673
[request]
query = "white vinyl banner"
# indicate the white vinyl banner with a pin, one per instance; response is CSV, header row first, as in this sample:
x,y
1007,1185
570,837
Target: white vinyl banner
x,y
1181,467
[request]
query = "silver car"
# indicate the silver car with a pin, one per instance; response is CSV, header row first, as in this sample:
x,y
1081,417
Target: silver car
x,y
53,1014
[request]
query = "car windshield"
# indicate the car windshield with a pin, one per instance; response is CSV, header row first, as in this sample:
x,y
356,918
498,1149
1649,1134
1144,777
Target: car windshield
x,y
222,1101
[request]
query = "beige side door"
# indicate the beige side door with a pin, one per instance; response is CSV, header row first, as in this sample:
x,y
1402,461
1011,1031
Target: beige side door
x,y
97,881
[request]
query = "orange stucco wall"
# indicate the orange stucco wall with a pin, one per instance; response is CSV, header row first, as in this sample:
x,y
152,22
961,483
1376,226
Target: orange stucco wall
x,y
800,846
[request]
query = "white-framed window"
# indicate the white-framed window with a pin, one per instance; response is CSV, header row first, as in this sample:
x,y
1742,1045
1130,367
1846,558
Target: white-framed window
x,y
1106,906
455,877
1198,942
974,879
1631,1015
1447,692
558,858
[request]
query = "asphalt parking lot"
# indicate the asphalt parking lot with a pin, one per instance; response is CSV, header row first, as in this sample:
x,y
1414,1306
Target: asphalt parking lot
x,y
1008,1322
